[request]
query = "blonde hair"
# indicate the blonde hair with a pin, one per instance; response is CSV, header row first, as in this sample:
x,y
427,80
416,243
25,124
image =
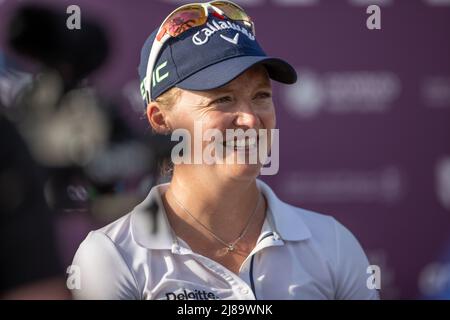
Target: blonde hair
x,y
169,98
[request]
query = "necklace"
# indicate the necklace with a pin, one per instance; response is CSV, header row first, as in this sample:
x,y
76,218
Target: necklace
x,y
232,245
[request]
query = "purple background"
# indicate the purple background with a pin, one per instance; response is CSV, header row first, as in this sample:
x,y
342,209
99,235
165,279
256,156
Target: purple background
x,y
363,132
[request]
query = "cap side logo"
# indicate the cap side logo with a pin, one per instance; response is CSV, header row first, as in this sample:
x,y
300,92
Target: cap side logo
x,y
157,76
233,41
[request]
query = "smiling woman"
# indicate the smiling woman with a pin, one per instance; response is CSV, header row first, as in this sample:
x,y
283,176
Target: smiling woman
x,y
206,122
221,231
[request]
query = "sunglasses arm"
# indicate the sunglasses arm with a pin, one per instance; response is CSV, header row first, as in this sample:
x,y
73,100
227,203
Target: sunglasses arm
x,y
156,48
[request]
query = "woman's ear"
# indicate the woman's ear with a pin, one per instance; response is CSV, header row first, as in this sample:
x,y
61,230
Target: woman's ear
x,y
157,118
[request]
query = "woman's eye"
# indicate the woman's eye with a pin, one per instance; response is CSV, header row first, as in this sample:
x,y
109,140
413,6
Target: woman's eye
x,y
263,95
222,100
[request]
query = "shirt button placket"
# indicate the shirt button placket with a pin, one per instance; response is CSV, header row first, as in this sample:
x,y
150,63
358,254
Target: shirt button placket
x,y
244,291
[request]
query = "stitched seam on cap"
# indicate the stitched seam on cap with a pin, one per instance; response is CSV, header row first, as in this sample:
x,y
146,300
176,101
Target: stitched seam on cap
x,y
173,60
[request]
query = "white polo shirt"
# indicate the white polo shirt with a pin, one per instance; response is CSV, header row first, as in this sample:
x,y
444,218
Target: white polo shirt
x,y
299,255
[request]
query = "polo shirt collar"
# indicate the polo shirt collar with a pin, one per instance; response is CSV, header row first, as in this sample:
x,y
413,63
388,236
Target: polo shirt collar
x,y
285,219
142,223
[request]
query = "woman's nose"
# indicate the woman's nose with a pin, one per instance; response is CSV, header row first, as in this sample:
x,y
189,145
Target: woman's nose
x,y
246,116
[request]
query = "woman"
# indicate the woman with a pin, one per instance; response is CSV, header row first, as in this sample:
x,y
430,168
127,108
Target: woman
x,y
221,233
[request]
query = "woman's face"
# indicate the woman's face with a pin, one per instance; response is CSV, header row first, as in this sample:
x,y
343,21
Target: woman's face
x,y
245,103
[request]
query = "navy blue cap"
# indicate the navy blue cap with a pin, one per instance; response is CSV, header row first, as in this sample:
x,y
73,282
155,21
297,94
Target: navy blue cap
x,y
208,57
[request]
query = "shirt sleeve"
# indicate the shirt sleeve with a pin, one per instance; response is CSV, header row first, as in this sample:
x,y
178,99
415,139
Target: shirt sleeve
x,y
103,273
352,264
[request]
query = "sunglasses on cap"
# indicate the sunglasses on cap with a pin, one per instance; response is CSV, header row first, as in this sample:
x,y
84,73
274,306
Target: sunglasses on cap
x,y
187,17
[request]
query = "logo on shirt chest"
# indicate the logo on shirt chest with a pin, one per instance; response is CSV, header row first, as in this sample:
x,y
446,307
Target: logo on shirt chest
x,y
186,294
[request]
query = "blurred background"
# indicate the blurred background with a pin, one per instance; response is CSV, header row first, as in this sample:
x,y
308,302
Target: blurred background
x,y
365,133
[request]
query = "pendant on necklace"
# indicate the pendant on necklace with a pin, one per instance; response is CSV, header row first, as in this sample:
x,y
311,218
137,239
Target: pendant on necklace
x,y
230,248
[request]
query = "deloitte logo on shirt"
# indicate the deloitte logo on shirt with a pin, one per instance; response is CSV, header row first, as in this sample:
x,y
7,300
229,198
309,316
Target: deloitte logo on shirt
x,y
191,295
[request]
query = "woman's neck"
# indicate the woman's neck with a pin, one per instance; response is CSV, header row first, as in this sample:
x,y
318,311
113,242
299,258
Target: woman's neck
x,y
223,207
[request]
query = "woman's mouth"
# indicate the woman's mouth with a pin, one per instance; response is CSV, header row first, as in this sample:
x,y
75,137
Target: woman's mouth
x,y
242,144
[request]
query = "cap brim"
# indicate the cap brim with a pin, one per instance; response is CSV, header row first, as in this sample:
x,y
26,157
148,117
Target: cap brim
x,y
219,74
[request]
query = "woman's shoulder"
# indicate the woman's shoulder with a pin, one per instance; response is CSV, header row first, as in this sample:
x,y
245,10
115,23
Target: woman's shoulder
x,y
323,231
118,229
106,241
105,270
322,228
337,246
110,240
